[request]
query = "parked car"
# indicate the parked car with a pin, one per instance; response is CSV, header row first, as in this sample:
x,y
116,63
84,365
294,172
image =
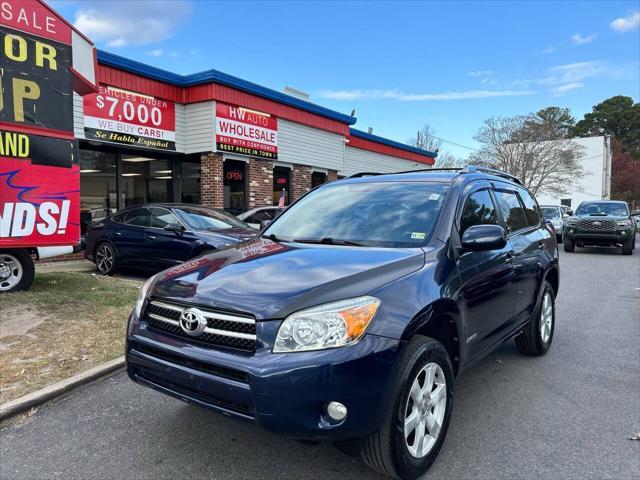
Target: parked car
x,y
158,236
636,216
601,223
349,318
554,215
256,216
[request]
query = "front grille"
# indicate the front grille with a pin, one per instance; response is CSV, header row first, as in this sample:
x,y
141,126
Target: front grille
x,y
223,329
597,225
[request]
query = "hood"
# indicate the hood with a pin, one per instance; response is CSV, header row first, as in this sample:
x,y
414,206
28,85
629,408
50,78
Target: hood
x,y
606,216
270,280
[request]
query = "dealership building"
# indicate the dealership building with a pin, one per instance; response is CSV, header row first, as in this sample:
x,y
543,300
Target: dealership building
x,y
149,135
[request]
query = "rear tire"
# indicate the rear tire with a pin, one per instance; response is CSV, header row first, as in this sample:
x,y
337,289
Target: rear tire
x,y
537,336
402,448
105,259
627,247
569,245
16,270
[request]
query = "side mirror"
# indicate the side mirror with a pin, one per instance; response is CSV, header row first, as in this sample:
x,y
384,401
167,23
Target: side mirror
x,y
264,224
479,238
569,212
173,227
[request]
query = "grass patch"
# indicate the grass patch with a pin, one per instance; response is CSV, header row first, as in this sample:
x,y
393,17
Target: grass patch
x,y
67,323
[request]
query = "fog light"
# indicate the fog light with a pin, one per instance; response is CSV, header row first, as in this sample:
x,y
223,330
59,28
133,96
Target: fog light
x,y
336,411
623,233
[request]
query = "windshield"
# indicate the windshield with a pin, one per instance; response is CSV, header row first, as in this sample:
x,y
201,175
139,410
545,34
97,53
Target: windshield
x,y
201,219
603,208
384,214
550,213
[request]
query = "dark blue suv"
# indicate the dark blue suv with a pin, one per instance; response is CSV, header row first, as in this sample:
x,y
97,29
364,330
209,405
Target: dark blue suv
x,y
350,316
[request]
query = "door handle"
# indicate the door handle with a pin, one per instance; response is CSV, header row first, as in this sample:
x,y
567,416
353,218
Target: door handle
x,y
509,258
541,245
151,237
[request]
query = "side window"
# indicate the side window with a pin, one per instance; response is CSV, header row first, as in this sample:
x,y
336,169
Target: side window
x,y
478,210
118,217
511,210
138,217
161,217
530,208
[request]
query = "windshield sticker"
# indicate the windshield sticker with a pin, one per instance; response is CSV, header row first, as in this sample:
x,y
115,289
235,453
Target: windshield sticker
x,y
418,235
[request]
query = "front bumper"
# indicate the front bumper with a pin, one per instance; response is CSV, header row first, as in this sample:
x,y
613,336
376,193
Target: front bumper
x,y
284,393
599,238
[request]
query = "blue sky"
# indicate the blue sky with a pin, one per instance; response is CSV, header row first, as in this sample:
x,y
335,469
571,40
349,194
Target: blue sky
x,y
399,64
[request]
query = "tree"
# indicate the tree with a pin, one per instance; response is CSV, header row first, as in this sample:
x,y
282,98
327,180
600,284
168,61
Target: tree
x,y
425,139
542,162
446,160
618,117
625,175
551,123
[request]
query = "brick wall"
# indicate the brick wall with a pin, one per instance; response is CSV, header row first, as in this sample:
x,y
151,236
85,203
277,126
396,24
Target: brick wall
x,y
211,181
260,183
300,181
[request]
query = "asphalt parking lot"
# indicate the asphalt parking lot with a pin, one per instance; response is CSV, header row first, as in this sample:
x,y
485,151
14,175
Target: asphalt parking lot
x,y
568,415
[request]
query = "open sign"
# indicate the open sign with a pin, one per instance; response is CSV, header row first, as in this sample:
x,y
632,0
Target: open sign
x,y
234,175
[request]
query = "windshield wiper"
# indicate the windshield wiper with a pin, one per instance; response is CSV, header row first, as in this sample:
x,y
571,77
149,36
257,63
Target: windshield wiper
x,y
330,241
274,237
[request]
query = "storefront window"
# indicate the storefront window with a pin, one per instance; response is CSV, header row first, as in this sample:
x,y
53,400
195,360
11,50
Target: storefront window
x,y
146,180
190,181
235,186
318,178
281,181
98,194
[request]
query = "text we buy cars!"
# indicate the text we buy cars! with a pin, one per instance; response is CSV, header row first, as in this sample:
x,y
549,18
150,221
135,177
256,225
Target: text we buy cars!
x,y
42,64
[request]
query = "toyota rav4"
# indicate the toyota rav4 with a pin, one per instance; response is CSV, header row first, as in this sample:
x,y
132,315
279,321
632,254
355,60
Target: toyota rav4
x,y
350,316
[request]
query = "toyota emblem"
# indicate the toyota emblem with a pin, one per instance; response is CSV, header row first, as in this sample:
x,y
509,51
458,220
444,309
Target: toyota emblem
x,y
597,224
192,322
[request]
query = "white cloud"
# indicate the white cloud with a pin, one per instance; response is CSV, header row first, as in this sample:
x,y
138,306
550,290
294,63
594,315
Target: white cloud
x,y
134,22
548,50
625,24
566,88
480,73
580,40
349,95
157,53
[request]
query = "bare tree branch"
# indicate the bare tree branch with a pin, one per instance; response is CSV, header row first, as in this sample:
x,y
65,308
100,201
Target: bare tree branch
x,y
542,159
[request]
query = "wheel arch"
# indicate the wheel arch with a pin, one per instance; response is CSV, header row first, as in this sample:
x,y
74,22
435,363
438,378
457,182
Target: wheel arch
x,y
441,321
553,277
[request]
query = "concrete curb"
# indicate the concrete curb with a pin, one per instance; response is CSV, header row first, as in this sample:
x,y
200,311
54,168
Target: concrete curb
x,y
21,404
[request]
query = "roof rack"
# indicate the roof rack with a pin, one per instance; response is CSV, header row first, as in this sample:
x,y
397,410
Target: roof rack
x,y
467,169
491,171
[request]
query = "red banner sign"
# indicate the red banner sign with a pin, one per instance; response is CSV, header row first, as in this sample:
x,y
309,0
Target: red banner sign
x,y
118,116
31,16
246,132
40,204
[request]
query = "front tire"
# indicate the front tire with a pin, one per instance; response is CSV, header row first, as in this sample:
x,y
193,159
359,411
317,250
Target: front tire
x,y
105,259
569,245
417,416
16,270
559,238
627,247
538,333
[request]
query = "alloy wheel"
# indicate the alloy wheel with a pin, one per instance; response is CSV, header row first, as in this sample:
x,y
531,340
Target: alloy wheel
x,y
104,259
425,410
10,272
546,318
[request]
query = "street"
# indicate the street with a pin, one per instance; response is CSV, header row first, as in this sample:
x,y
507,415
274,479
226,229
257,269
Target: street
x,y
567,415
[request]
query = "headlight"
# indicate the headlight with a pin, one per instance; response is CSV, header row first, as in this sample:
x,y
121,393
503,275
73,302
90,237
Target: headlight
x,y
331,325
624,223
557,223
142,295
571,221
